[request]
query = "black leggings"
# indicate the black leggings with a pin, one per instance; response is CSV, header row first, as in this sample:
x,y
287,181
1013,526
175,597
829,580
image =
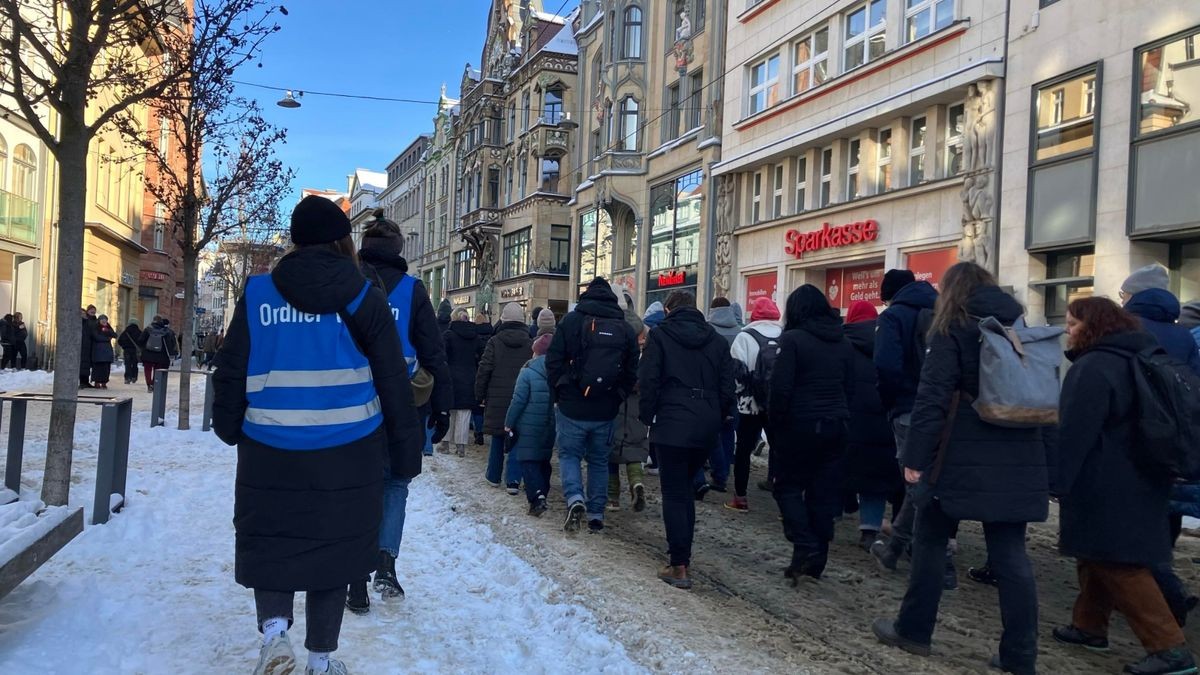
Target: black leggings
x,y
324,614
749,431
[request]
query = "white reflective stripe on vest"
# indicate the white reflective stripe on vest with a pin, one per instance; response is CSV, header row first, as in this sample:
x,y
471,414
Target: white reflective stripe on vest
x,y
308,378
313,418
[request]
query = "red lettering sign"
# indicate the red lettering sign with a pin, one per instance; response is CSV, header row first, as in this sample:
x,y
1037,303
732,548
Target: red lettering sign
x,y
149,275
931,265
844,285
760,286
671,279
830,236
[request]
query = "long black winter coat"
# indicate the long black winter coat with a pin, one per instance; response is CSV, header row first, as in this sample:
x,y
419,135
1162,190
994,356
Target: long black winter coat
x,y
896,347
464,348
1110,511
87,337
310,520
989,473
871,451
102,348
598,301
813,380
685,380
390,268
130,338
508,350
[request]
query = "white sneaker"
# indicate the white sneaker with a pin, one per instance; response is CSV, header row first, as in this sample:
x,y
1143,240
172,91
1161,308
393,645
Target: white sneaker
x,y
335,668
277,657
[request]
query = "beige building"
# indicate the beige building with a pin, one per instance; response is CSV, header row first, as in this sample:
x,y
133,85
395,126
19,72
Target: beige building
x,y
1101,148
858,136
431,260
649,87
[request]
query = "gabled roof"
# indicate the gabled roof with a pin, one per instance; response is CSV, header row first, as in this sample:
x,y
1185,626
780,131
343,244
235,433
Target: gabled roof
x,y
365,179
563,41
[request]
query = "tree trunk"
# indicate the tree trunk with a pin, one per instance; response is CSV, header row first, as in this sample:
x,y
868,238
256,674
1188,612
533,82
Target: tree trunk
x,y
72,205
191,262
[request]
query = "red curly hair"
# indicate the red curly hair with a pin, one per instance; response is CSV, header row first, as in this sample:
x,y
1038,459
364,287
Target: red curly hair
x,y
1100,317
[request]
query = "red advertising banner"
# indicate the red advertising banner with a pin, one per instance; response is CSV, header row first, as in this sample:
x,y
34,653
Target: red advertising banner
x,y
844,285
761,286
931,265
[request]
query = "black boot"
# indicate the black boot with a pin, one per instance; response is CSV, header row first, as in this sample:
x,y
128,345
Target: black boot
x,y
386,584
358,601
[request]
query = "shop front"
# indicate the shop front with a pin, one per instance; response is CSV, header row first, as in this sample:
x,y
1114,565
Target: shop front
x,y
463,300
660,284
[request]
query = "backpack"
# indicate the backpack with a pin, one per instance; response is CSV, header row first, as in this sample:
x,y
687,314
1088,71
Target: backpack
x,y
1167,407
597,368
156,339
1018,374
764,365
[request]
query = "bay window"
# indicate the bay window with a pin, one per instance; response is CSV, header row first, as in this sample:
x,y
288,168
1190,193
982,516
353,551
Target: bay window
x,y
516,252
629,124
631,44
675,209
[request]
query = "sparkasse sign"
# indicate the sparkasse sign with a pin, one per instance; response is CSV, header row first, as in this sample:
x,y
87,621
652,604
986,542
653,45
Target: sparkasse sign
x,y
830,236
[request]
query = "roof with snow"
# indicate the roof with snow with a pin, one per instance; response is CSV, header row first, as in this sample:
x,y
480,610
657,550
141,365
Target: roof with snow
x,y
563,42
370,179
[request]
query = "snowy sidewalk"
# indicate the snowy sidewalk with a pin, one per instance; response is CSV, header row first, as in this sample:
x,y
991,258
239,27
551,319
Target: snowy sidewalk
x,y
153,591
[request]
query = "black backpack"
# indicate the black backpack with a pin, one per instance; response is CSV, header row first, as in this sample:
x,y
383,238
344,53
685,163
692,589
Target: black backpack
x,y
764,365
156,340
597,368
1167,406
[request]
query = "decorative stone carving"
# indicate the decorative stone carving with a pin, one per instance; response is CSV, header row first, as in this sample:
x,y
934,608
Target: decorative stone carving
x,y
683,55
723,243
684,32
979,185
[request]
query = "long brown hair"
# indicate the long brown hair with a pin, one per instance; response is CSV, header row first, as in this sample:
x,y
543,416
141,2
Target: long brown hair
x,y
1100,317
959,282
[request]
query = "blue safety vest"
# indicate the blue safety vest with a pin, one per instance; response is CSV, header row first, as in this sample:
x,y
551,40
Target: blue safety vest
x,y
401,303
307,383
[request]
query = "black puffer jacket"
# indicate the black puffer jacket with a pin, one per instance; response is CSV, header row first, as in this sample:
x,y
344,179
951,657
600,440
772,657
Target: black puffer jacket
x,y
508,350
310,520
384,264
463,350
989,473
871,451
685,380
598,301
1110,511
444,312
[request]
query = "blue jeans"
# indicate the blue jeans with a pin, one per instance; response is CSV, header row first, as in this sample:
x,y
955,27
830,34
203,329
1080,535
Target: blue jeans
x,y
428,449
477,422
395,500
496,459
579,441
871,508
720,456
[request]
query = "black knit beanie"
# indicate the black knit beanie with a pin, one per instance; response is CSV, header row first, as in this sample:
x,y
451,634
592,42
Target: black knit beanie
x,y
382,233
893,281
317,220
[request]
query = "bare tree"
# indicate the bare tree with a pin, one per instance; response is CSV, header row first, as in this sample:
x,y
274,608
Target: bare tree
x,y
253,250
208,124
89,62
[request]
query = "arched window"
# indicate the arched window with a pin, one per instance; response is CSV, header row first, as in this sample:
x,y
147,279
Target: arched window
x,y
512,120
523,175
629,124
632,43
552,105
3,163
24,180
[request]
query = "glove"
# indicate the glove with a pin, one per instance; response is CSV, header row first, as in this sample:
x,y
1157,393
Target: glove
x,y
440,423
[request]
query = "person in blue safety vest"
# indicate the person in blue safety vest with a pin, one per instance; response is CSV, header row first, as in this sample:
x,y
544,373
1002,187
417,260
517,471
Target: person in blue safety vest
x,y
311,386
384,265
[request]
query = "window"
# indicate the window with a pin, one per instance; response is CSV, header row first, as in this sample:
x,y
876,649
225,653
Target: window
x,y
104,177
164,137
671,118
955,123
550,169
756,198
810,59
512,121
695,100
160,226
883,161
508,184
464,268
3,163
523,176
560,249
764,84
826,176
1065,113
801,184
629,124
852,156
595,245
865,34
631,45
675,209
916,151
678,7
24,179
1169,95
524,111
777,193
552,107
1069,276
927,16
516,252
494,187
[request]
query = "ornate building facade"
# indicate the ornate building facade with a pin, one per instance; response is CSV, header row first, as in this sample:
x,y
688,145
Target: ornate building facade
x,y
441,207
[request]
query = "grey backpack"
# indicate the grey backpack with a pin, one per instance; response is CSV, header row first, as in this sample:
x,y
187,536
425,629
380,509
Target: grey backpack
x,y
1018,374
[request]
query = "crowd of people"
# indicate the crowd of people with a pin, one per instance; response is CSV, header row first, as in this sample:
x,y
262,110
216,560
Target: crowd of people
x,y
336,377
154,348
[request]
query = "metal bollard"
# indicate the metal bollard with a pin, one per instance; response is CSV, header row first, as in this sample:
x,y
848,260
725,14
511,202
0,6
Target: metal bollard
x,y
158,404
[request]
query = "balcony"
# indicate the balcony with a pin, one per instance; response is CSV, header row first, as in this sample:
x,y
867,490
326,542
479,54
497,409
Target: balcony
x,y
18,218
552,141
482,217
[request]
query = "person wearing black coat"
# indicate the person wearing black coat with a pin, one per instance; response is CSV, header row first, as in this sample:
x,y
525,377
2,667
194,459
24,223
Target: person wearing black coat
x,y
102,352
506,352
309,520
484,330
20,334
128,341
444,311
991,474
812,385
88,330
1113,514
686,389
6,341
464,348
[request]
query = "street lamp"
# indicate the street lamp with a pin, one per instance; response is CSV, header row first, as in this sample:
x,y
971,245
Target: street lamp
x,y
289,101
567,123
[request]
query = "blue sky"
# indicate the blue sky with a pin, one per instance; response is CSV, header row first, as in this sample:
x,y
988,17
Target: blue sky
x,y
391,48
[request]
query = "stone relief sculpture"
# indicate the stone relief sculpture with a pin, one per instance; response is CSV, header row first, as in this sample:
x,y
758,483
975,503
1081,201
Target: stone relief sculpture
x,y
723,244
684,32
978,192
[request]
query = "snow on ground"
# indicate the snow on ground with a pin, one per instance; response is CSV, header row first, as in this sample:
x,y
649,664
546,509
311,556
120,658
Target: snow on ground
x,y
152,591
23,522
26,380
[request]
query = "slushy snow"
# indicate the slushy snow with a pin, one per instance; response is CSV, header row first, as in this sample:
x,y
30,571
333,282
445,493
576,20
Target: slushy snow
x,y
153,591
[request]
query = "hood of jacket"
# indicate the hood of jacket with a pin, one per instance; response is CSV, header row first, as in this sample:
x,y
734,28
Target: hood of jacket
x,y
687,326
827,328
654,315
993,301
1189,316
1154,304
919,294
599,300
464,329
445,310
766,328
514,334
382,257
861,335
723,317
317,280
1128,341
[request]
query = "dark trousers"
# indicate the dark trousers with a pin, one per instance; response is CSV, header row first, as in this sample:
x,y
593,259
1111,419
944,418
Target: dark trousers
x,y
101,371
1007,560
808,504
1130,590
1173,590
85,371
750,428
324,614
131,366
10,356
536,474
20,355
720,457
676,469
